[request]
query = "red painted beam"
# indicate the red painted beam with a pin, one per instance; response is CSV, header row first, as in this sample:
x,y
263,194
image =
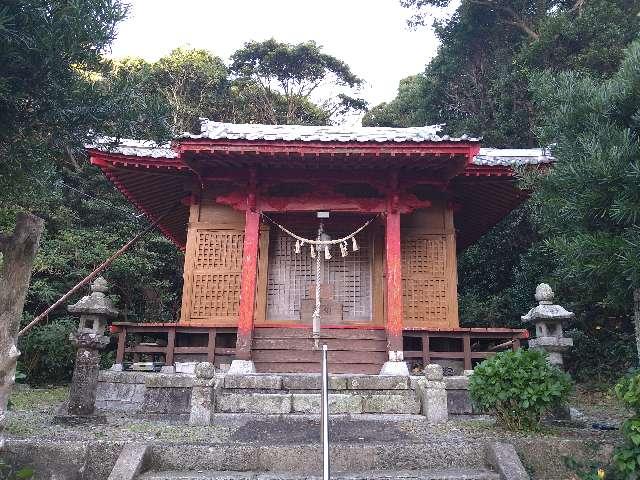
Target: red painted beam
x,y
311,203
394,281
248,284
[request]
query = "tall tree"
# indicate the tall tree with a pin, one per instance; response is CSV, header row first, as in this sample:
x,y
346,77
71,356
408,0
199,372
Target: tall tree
x,y
284,79
189,83
478,81
53,99
18,252
589,202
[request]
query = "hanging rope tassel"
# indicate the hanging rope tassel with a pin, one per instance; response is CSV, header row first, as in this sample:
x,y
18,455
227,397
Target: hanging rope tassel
x,y
312,250
297,249
327,253
354,244
343,249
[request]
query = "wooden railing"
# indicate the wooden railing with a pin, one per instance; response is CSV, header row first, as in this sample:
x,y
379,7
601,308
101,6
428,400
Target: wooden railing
x,y
507,338
168,351
469,339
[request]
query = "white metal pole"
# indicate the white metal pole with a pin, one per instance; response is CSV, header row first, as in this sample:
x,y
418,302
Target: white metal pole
x,y
324,421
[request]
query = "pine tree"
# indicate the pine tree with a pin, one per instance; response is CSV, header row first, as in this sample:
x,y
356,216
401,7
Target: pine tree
x,y
588,204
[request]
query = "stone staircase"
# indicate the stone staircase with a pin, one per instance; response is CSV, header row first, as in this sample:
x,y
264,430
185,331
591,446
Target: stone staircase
x,y
448,474
372,458
365,447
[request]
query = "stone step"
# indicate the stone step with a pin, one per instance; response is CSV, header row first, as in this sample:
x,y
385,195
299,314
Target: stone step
x,y
286,448
446,474
391,402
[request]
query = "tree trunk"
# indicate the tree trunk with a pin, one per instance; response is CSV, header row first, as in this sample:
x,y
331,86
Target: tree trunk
x,y
636,318
18,252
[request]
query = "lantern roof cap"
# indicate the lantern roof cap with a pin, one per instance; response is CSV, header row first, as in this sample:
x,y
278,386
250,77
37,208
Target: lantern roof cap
x,y
97,303
546,309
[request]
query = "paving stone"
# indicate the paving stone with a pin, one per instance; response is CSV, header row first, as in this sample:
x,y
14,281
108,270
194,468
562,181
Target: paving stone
x,y
122,377
167,401
459,402
169,381
448,474
273,382
457,382
391,403
116,406
312,382
504,458
433,372
378,382
265,403
202,403
338,403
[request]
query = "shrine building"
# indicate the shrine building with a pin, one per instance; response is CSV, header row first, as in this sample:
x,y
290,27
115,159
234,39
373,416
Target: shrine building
x,y
299,235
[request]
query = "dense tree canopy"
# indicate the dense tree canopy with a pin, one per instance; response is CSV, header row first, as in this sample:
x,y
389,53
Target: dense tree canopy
x,y
589,202
478,81
285,80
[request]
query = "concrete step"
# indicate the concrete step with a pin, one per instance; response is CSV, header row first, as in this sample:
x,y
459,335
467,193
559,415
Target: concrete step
x,y
447,474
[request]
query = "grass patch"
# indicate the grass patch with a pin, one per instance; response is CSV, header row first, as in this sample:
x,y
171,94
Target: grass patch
x,y
27,398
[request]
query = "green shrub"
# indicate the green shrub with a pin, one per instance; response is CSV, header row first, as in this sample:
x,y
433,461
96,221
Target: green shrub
x,y
627,457
47,354
600,355
518,388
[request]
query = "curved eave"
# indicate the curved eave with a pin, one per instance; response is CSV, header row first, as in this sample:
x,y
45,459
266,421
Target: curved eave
x,y
483,196
155,186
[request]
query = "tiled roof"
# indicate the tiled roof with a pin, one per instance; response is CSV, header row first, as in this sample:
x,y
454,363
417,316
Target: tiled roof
x,y
304,133
214,130
134,148
509,157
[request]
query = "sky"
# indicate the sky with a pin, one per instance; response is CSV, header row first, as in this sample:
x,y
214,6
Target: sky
x,y
371,36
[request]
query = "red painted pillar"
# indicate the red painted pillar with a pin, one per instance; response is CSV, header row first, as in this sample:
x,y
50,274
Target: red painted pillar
x,y
248,285
394,284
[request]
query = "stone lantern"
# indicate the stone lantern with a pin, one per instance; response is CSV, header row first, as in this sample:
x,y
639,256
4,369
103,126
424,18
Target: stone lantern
x,y
89,339
548,318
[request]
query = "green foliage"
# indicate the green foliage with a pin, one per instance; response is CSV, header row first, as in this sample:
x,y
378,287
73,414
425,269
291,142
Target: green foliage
x,y
7,472
283,79
33,399
495,290
627,457
47,355
52,99
518,388
588,470
406,110
189,84
601,350
589,203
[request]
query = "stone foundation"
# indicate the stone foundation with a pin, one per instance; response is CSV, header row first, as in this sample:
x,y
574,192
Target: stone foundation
x,y
149,393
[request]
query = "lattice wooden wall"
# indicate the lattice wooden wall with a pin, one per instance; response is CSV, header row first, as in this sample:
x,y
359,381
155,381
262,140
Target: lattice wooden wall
x,y
291,275
425,280
215,267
